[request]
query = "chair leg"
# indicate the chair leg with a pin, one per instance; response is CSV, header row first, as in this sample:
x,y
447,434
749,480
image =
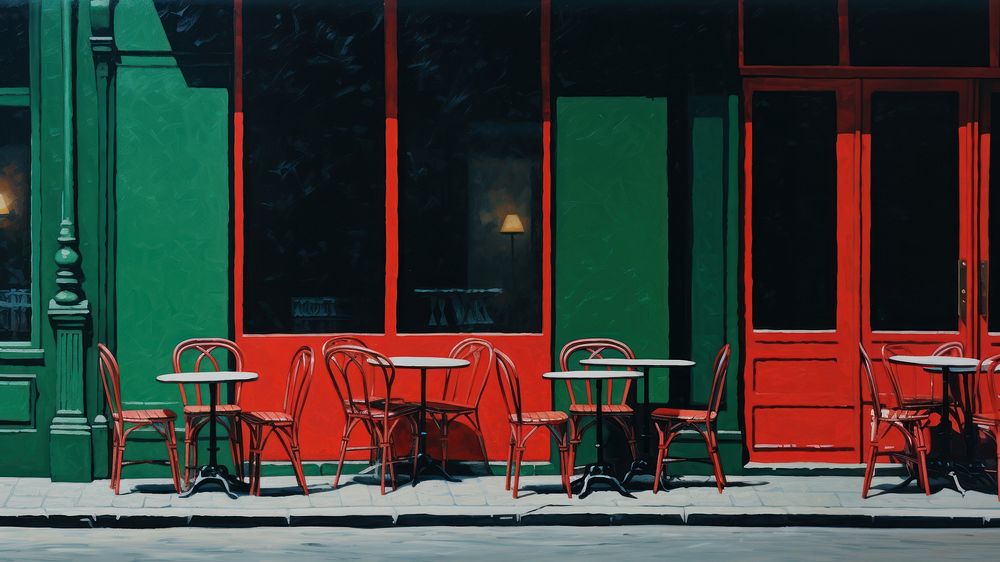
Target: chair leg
x,y
297,465
482,442
343,454
510,464
519,456
564,466
713,453
869,470
921,447
236,446
386,460
660,454
171,442
117,482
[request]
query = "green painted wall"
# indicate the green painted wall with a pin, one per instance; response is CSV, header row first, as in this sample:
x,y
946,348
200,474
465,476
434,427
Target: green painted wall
x,y
611,270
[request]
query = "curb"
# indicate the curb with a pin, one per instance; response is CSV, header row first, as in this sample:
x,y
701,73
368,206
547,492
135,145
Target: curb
x,y
543,516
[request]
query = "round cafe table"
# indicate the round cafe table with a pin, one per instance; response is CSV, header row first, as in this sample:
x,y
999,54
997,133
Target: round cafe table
x,y
643,464
952,369
213,472
599,472
424,461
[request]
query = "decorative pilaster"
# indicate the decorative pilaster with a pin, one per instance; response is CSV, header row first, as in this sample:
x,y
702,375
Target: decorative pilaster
x,y
70,447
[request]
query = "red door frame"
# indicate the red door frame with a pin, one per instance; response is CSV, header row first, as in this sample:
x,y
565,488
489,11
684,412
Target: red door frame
x,y
802,389
270,353
989,343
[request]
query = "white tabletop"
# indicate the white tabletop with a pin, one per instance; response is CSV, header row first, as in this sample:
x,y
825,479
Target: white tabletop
x,y
954,364
208,377
593,375
623,362
424,362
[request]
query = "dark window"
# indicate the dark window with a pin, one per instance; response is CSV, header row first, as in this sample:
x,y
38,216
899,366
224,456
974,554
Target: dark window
x,y
470,154
993,297
794,210
14,43
198,26
801,32
314,159
611,47
919,32
914,207
15,224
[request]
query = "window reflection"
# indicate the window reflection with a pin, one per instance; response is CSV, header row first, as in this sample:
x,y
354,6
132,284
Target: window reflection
x,y
470,155
15,224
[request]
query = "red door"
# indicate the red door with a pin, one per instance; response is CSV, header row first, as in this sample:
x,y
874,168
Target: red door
x,y
987,277
918,269
801,270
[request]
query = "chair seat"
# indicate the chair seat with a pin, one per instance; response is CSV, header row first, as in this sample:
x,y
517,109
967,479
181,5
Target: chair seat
x,y
263,417
681,414
894,414
147,416
986,419
448,407
395,410
206,409
921,402
606,409
541,418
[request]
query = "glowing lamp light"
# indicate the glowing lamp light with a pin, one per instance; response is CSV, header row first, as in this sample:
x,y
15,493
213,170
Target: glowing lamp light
x,y
5,209
512,225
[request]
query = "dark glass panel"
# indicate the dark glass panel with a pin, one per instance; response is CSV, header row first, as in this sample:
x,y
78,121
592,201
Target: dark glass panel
x,y
794,210
15,224
790,32
914,211
919,32
993,297
197,26
610,47
314,157
14,43
470,153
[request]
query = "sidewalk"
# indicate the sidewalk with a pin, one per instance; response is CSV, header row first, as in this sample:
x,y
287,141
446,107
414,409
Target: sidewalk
x,y
755,500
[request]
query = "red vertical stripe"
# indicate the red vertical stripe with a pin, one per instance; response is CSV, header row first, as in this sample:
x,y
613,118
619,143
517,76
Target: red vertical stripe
x,y
238,167
546,64
391,167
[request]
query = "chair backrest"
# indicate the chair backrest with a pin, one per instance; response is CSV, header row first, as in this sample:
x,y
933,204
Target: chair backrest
x,y
466,385
341,340
991,404
891,372
950,349
362,378
111,379
200,351
510,384
300,374
866,364
595,348
719,368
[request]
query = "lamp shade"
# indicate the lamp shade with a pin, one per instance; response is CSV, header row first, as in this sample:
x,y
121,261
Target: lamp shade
x,y
512,225
4,206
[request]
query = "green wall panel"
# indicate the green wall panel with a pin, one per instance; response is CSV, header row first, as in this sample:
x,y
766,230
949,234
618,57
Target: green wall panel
x,y
16,398
172,222
611,269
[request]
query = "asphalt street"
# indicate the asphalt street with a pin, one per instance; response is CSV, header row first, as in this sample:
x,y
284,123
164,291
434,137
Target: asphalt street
x,y
501,544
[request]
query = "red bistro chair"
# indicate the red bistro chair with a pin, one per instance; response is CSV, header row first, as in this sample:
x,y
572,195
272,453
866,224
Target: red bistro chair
x,y
160,420
363,381
341,340
463,390
988,417
669,423
196,414
524,424
910,423
917,401
616,409
284,423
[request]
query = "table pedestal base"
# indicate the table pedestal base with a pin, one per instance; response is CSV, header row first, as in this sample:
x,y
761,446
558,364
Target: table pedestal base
x,y
426,463
218,475
597,475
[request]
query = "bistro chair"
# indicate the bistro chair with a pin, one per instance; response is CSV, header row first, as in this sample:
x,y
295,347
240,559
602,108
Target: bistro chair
x,y
160,420
284,423
363,381
670,422
524,424
462,393
341,340
910,423
583,412
197,414
929,402
987,418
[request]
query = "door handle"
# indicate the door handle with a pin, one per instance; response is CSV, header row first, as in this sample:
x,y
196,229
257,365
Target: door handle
x,y
963,292
984,285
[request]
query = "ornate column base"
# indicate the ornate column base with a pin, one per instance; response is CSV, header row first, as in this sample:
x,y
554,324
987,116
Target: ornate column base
x,y
70,444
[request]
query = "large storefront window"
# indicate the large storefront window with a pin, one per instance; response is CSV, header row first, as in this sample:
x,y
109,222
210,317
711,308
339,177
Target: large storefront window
x,y
470,108
15,174
314,158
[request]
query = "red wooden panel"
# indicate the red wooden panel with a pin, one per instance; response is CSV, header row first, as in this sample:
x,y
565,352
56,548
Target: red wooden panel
x,y
796,428
801,379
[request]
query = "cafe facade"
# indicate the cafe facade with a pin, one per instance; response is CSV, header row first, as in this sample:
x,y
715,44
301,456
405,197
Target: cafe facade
x,y
791,178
